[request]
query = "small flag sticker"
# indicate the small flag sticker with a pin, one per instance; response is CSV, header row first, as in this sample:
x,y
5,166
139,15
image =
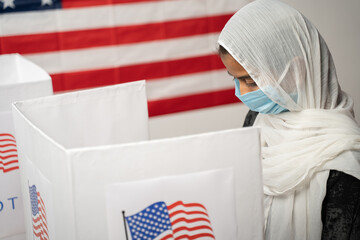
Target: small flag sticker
x,y
39,221
8,153
176,221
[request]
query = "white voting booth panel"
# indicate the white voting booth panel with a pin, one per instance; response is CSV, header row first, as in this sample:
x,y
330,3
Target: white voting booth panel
x,y
84,173
20,79
47,128
234,149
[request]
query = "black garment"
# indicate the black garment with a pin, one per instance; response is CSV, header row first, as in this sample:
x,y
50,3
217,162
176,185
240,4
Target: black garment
x,y
250,118
340,213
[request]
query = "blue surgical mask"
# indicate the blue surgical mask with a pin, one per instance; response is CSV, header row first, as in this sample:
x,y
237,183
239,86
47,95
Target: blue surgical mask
x,y
257,101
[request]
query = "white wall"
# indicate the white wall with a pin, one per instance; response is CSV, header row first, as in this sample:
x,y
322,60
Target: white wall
x,y
338,22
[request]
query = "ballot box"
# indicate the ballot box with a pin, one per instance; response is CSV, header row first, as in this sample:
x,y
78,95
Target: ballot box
x,y
88,169
20,79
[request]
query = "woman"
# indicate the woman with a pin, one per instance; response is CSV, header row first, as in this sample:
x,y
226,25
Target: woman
x,y
310,141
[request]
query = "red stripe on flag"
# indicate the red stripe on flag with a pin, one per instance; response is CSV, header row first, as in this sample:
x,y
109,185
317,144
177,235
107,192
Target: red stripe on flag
x,y
56,41
90,3
6,135
7,151
8,163
40,235
9,156
7,140
5,170
167,237
192,102
36,220
148,71
23,44
180,203
178,229
189,220
197,236
7,145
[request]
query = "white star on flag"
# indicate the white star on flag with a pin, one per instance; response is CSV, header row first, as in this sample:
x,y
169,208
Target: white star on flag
x,y
43,2
8,3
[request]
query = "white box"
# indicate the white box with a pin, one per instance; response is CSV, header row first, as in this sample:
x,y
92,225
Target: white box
x,y
20,79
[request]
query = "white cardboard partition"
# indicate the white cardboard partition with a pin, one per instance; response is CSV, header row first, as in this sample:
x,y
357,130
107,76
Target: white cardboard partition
x,y
74,166
19,80
47,128
236,149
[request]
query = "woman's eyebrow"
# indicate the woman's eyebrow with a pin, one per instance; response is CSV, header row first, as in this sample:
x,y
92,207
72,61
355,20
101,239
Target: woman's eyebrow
x,y
240,77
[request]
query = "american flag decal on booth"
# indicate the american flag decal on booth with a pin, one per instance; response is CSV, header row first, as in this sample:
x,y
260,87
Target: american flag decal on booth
x,y
8,153
176,221
39,221
84,44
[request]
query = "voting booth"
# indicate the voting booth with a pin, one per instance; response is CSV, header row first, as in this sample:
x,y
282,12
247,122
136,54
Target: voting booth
x,y
90,171
49,128
20,79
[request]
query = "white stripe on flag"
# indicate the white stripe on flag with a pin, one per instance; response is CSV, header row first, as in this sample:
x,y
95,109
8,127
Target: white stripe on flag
x,y
123,55
157,89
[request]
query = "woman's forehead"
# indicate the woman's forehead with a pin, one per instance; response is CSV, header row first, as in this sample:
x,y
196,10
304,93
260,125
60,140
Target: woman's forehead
x,y
233,67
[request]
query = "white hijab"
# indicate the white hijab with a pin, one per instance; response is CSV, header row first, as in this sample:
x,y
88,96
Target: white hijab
x,y
288,59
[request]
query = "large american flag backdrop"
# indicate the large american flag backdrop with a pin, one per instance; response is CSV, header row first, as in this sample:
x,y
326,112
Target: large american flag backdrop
x,y
90,43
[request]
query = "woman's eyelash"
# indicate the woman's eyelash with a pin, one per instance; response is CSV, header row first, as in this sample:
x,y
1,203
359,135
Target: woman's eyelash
x,y
241,78
244,78
253,84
